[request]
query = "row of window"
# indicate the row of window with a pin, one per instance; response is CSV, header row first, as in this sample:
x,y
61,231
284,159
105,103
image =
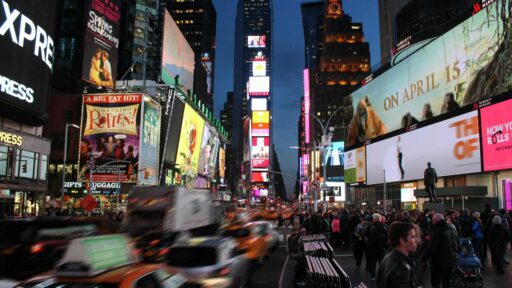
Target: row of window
x,y
179,11
184,21
23,164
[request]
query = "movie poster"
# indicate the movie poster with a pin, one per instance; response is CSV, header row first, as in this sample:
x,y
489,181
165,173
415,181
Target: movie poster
x,y
190,142
150,140
101,42
110,132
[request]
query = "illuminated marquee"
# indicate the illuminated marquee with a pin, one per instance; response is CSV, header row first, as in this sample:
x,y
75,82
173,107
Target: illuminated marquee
x,y
11,138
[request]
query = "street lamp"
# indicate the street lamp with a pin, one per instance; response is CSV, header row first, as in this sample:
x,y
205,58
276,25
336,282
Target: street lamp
x,y
64,164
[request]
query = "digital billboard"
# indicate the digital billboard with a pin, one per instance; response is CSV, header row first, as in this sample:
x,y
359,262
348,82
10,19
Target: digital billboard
x,y
334,161
466,70
101,42
208,155
260,152
222,163
260,123
27,39
257,41
452,146
259,68
172,118
496,132
189,145
258,176
149,144
259,104
177,55
110,131
259,86
355,165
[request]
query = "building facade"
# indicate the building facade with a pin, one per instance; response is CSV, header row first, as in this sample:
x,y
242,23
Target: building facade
x,y
226,119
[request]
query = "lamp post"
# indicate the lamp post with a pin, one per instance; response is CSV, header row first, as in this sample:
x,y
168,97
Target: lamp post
x,y
326,141
64,161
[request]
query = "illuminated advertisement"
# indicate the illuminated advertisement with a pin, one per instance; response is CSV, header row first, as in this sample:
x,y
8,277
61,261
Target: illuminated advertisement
x,y
260,152
355,165
497,136
306,102
259,68
110,131
27,39
101,42
247,139
334,161
453,148
150,139
256,41
418,88
260,123
259,86
407,192
259,176
222,163
172,116
261,117
177,56
190,142
259,104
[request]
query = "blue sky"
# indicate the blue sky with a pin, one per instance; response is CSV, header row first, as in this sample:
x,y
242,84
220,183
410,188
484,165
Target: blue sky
x,y
288,64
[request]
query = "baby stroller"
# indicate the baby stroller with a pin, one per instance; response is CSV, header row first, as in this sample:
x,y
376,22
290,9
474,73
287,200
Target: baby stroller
x,y
467,273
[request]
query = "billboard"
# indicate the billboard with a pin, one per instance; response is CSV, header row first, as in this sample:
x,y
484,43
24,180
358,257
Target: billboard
x,y
334,161
208,155
110,131
466,71
258,176
172,118
149,144
222,163
260,152
26,61
260,123
496,132
258,104
177,55
259,68
355,165
189,145
99,66
452,146
259,86
256,41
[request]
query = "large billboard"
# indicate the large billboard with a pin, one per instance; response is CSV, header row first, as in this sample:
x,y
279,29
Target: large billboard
x,y
209,149
257,41
496,132
259,86
177,55
172,118
461,67
259,104
260,123
334,161
149,144
260,152
27,41
355,165
452,146
258,177
110,131
190,142
259,68
222,163
101,42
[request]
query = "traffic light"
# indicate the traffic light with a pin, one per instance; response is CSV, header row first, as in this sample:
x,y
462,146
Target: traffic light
x,y
146,174
24,168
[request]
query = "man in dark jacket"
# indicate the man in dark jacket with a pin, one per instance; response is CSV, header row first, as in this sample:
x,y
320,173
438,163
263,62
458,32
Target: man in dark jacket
x,y
444,249
397,269
430,180
377,235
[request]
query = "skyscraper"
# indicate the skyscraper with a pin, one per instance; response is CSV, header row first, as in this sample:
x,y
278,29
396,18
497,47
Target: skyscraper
x,y
387,13
226,119
252,94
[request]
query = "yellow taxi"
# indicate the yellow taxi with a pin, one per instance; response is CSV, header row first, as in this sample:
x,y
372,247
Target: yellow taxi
x,y
249,239
105,262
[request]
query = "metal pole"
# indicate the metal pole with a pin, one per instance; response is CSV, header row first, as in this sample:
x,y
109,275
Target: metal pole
x,y
64,165
118,185
91,170
324,176
315,191
385,191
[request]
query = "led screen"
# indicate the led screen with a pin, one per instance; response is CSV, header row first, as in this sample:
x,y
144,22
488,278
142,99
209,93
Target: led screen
x,y
259,104
497,136
259,176
259,68
259,86
334,161
260,152
177,56
355,165
222,163
256,41
149,144
466,69
452,146
190,141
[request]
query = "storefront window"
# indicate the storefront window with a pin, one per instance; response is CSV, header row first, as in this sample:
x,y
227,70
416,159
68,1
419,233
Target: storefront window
x,y
27,164
44,167
3,160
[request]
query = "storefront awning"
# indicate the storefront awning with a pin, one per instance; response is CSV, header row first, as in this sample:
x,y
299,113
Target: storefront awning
x,y
478,191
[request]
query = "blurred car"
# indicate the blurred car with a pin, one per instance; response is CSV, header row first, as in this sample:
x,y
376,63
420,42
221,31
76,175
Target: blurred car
x,y
105,262
153,246
249,240
33,245
267,231
210,261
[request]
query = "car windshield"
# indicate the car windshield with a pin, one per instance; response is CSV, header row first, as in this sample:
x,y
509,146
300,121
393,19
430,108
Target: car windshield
x,y
237,233
188,256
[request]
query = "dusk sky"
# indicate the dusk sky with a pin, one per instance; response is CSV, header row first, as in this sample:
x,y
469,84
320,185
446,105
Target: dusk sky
x,y
288,65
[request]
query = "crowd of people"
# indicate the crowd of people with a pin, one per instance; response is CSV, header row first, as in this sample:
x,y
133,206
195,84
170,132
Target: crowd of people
x,y
408,242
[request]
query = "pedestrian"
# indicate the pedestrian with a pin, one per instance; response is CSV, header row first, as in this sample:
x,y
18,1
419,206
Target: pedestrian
x,y
377,234
443,251
478,236
498,239
336,236
359,243
397,269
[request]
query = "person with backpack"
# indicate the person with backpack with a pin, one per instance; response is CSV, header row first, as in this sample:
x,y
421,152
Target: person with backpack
x,y
336,236
377,235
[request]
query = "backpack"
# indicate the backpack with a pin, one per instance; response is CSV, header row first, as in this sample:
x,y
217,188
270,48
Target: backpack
x,y
378,236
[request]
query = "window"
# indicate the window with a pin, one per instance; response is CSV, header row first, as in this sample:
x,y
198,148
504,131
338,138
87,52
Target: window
x,y
4,156
43,170
26,164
